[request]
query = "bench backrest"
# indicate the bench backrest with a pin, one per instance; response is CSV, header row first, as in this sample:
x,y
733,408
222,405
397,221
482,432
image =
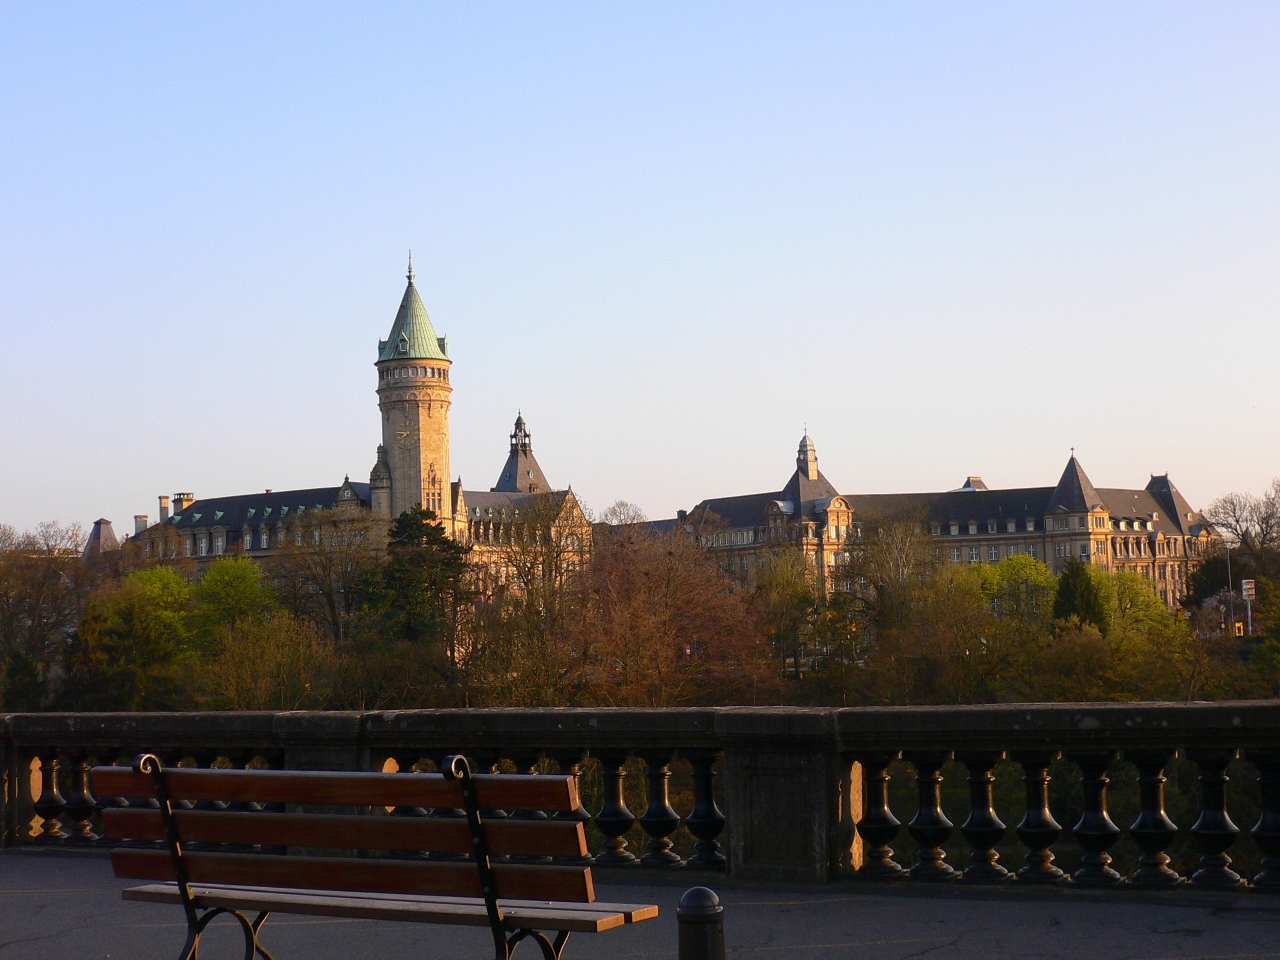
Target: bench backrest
x,y
205,836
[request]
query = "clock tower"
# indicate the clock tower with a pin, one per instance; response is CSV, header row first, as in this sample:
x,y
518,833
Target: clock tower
x,y
413,397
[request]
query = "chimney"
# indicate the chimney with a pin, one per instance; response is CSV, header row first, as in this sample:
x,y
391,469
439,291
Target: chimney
x,y
681,516
182,500
139,523
164,509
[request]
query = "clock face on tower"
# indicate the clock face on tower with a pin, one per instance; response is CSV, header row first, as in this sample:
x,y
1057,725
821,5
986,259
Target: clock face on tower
x,y
402,437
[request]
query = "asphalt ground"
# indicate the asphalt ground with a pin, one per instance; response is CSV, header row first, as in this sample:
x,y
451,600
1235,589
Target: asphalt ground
x,y
58,906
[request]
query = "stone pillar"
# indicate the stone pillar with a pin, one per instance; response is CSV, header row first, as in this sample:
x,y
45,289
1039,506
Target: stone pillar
x,y
783,786
322,741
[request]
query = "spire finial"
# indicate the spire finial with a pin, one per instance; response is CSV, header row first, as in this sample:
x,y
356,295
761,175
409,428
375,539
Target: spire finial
x,y
1073,453
409,275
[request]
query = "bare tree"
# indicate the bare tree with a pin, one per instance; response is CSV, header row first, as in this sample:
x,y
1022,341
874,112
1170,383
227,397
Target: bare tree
x,y
1250,522
323,555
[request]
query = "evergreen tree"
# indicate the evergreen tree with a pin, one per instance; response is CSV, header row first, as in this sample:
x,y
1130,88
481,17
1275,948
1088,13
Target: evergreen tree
x,y
415,594
1079,596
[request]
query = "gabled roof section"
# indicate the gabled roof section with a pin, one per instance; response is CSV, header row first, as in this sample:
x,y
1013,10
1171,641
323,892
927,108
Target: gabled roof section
x,y
1074,492
412,335
521,473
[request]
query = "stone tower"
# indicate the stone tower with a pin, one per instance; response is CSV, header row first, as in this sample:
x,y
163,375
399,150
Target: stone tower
x,y
413,396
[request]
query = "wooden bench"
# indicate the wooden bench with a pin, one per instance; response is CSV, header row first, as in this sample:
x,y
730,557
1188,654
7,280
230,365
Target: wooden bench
x,y
214,862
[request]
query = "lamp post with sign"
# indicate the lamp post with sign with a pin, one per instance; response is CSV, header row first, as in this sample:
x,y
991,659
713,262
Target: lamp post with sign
x,y
1248,590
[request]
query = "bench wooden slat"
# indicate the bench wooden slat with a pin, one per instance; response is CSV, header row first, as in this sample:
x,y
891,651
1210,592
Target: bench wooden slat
x,y
496,791
450,910
514,881
550,838
631,912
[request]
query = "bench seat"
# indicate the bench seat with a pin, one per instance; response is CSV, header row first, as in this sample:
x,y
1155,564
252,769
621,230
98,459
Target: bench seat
x,y
592,917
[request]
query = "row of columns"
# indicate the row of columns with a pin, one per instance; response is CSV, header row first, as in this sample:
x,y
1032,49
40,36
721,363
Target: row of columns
x,y
1152,831
614,819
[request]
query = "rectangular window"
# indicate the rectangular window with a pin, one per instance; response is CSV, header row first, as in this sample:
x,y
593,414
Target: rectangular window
x,y
219,544
991,526
973,527
1060,523
202,546
1031,524
264,539
955,530
973,555
248,539
1011,525
955,554
1084,551
993,554
1081,524
1031,550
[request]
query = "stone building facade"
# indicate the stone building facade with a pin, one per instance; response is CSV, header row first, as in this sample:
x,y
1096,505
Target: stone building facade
x,y
1151,531
412,468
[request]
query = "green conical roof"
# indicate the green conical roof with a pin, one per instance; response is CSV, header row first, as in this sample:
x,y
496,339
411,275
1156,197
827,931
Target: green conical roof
x,y
412,336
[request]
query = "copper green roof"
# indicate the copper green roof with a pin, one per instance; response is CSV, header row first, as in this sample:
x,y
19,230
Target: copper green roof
x,y
412,336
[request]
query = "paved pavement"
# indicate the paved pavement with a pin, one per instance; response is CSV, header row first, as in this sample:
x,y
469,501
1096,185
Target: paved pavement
x,y
67,907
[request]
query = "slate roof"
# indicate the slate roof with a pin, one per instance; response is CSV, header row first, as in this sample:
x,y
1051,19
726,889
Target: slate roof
x,y
102,539
498,505
1074,493
412,335
256,509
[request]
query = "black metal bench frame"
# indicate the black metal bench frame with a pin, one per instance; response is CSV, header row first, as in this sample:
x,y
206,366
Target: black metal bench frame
x,y
454,767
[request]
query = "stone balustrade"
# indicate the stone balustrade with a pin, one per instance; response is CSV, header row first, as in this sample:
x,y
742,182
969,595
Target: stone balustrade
x,y
809,795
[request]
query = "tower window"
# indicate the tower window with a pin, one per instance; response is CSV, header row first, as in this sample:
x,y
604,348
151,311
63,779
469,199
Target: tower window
x,y
413,371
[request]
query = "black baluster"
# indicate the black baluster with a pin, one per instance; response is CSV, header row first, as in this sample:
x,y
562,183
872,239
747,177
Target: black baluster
x,y
81,807
1037,830
50,807
614,819
878,826
929,827
1153,831
1213,830
1094,831
983,829
1267,830
705,821
659,820
570,763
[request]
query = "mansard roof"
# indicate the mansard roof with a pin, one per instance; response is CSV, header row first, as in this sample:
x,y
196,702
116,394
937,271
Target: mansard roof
x,y
412,335
269,509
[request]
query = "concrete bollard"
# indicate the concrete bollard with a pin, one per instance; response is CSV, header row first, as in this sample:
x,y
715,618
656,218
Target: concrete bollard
x,y
700,920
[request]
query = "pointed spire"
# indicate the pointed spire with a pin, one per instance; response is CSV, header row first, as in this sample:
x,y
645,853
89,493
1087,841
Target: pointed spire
x,y
412,336
409,275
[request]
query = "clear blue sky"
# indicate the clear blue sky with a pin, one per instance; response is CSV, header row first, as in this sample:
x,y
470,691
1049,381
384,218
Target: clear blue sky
x,y
952,239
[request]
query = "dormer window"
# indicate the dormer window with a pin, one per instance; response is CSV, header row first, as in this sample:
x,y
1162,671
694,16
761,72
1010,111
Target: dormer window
x,y
955,528
935,528
1011,525
1031,524
991,526
973,527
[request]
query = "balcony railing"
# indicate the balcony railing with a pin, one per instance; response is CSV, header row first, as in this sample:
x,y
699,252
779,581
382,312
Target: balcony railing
x,y
1043,793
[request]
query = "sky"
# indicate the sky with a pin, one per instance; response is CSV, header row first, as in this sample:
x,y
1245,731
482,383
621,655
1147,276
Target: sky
x,y
947,239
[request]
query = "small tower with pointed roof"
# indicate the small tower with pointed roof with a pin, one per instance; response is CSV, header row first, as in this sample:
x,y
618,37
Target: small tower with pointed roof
x,y
414,398
521,473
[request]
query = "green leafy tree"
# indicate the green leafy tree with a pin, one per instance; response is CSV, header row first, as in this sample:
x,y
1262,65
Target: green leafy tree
x,y
232,589
133,648
1080,596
